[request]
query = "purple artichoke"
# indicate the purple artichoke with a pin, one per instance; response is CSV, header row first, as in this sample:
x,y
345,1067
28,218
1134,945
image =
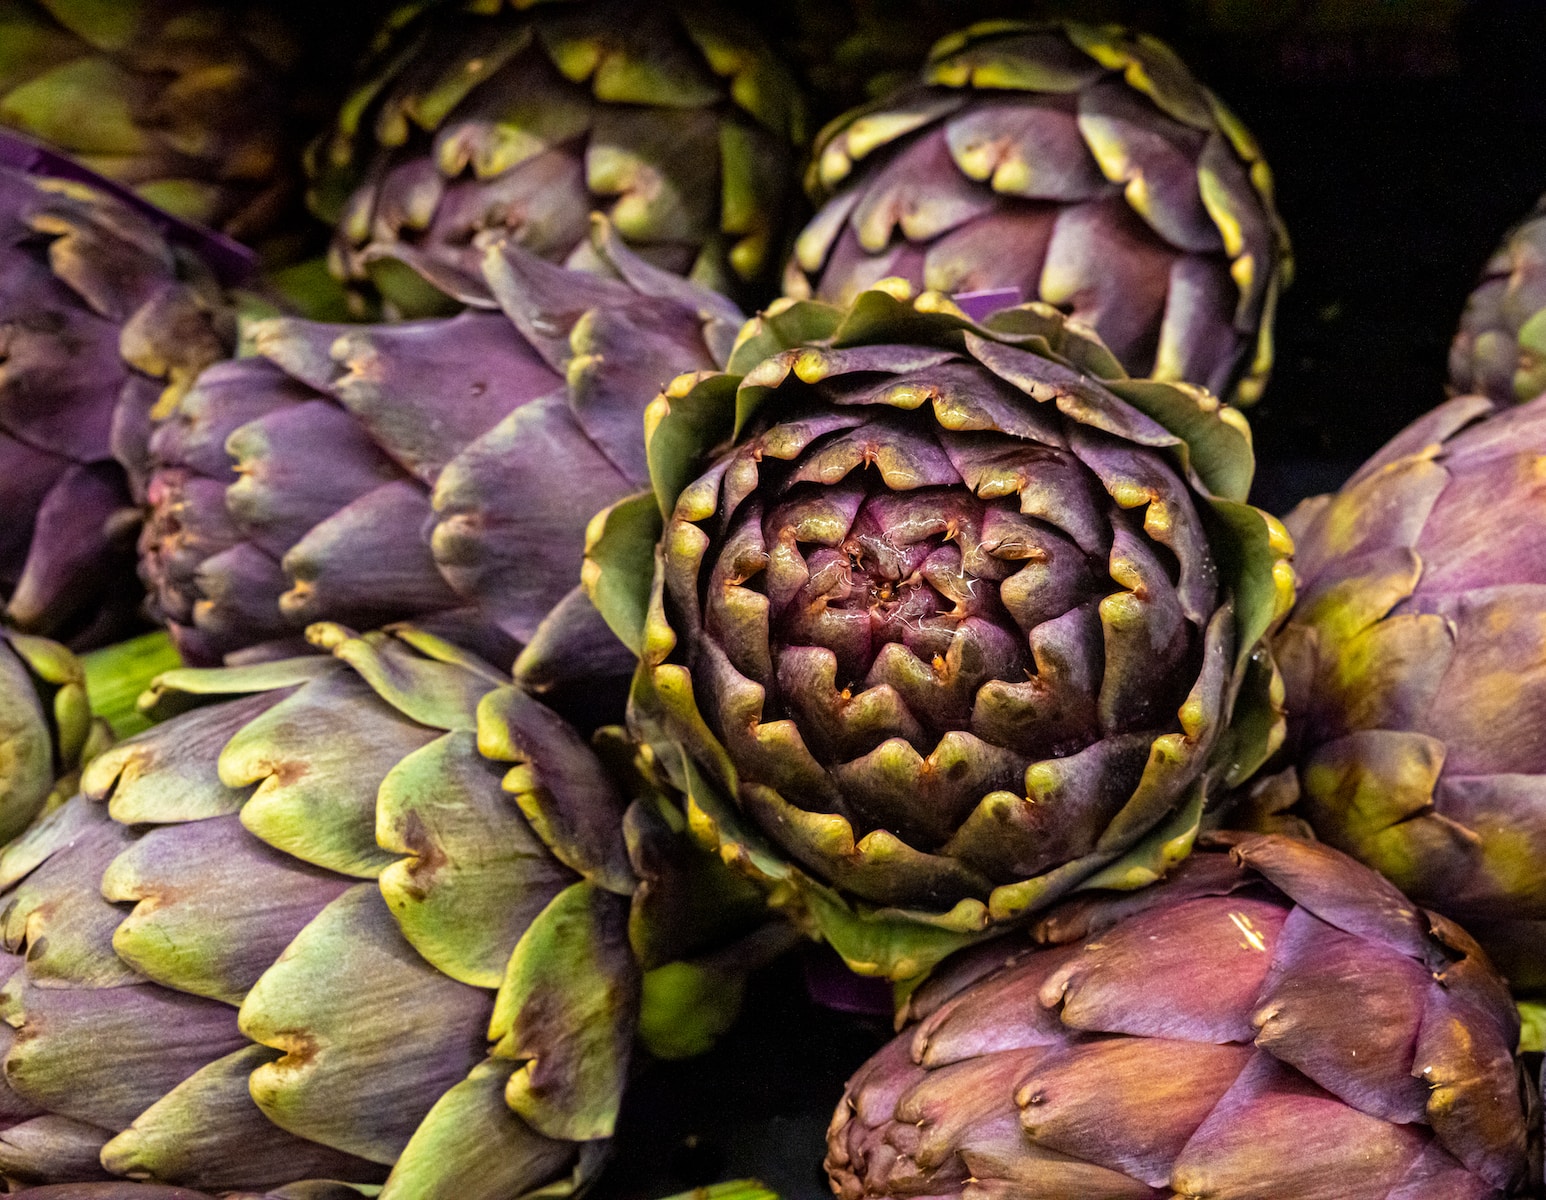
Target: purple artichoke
x,y
478,123
1415,665
1075,165
1500,348
102,320
440,470
946,618
1270,1023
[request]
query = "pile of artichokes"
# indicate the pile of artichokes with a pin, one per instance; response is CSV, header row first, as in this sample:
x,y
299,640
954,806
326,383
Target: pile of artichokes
x,y
456,639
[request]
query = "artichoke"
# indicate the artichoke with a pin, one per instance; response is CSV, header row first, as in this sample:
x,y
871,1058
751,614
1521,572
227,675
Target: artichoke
x,y
479,122
102,319
946,619
1080,166
1275,1021
47,730
1415,668
187,102
1500,348
363,917
297,484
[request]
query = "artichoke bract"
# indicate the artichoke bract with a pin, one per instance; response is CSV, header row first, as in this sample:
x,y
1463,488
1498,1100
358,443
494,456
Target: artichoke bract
x,y
946,619
1500,348
102,320
482,121
1078,165
360,917
187,102
1275,1021
1416,671
440,470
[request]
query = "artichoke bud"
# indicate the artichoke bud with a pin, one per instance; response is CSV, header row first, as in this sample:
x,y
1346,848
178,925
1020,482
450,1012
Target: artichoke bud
x,y
1078,165
1415,671
1499,350
1182,1040
441,471
372,915
948,627
475,124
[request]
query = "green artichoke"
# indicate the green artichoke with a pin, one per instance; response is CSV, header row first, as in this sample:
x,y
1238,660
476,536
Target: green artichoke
x,y
1415,666
363,917
946,619
298,484
1274,1022
1081,166
484,121
1500,348
102,320
187,102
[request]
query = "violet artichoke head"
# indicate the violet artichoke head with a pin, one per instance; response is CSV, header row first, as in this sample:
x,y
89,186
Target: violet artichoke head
x,y
440,470
359,917
1415,665
1500,348
517,120
1077,165
102,323
946,619
1274,1021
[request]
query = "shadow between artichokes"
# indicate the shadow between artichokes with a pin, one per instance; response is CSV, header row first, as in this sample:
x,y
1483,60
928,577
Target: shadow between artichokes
x,y
375,917
938,620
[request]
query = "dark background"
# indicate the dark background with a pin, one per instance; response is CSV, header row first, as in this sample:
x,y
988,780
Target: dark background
x,y
1400,162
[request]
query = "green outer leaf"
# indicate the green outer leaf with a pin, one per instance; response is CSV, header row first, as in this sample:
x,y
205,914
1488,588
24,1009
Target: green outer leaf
x,y
1257,726
889,943
785,324
681,426
174,692
1254,569
474,874
1219,450
349,1001
1164,846
440,694
558,785
472,1147
619,564
686,1007
566,1013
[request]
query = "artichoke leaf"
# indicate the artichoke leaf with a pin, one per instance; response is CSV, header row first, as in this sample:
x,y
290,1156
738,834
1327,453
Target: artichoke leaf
x,y
565,1014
